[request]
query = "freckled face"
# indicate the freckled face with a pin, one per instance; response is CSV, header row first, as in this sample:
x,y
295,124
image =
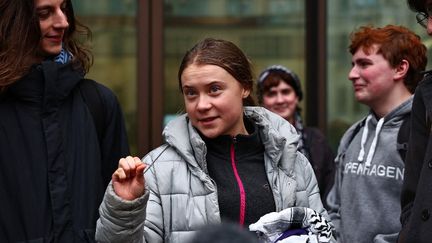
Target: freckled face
x,y
281,99
372,77
213,100
53,24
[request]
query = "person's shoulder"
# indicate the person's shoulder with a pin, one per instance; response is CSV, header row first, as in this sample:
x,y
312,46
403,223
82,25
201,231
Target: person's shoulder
x,y
105,91
268,118
109,98
424,88
356,125
164,152
315,136
351,132
427,79
164,158
314,131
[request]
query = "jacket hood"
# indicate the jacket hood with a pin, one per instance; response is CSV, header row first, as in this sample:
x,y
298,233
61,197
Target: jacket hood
x,y
275,131
372,127
395,116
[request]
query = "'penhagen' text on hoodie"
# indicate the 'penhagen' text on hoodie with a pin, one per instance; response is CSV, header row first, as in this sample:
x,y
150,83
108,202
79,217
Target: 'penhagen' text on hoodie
x,y
359,168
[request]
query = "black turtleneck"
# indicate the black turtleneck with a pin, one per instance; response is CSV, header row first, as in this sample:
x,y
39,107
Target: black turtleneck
x,y
249,163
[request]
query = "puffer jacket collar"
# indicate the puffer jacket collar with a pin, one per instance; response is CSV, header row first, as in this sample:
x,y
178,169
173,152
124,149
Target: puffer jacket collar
x,y
279,139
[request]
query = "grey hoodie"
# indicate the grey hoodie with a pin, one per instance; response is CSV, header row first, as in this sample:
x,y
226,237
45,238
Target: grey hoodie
x,y
364,203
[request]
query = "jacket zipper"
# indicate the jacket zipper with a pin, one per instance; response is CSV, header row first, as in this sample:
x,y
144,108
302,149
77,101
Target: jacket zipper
x,y
239,183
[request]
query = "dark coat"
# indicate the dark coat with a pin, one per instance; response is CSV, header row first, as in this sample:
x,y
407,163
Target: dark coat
x,y
322,160
54,170
416,197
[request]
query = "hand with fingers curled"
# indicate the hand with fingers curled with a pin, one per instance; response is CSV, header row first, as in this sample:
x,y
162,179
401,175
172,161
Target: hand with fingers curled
x,y
128,180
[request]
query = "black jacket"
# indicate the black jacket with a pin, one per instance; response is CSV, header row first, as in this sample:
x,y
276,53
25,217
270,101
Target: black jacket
x,y
416,197
54,170
322,160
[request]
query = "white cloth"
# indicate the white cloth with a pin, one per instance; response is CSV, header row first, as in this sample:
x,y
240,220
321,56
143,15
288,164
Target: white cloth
x,y
272,226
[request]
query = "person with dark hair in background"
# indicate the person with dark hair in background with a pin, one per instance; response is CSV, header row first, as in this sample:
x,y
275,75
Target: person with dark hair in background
x,y
279,90
222,161
57,153
364,201
416,198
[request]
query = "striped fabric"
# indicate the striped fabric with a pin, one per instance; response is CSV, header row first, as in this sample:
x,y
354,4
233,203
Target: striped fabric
x,y
304,224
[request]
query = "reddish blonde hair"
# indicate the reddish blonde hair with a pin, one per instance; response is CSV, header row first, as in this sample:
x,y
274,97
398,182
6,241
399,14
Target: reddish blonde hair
x,y
395,43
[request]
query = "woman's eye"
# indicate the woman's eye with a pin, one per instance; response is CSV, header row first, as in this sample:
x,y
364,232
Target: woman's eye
x,y
189,92
270,94
214,88
286,91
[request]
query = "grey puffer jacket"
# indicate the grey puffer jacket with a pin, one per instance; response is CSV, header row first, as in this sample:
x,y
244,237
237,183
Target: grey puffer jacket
x,y
180,196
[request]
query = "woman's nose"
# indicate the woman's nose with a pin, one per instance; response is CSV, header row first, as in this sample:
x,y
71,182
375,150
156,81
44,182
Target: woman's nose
x,y
203,103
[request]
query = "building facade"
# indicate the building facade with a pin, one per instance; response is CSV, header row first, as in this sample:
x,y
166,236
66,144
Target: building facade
x,y
138,46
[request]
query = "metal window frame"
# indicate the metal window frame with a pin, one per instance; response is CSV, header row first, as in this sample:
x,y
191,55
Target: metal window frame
x,y
316,64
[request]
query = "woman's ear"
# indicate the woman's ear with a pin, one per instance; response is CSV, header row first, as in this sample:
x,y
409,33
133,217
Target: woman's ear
x,y
402,70
246,93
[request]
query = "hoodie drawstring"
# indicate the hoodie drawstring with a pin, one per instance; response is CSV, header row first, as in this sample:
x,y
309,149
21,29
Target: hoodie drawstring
x,y
373,146
363,139
374,142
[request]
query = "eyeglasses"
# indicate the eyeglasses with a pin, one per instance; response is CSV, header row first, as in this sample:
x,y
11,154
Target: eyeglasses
x,y
422,19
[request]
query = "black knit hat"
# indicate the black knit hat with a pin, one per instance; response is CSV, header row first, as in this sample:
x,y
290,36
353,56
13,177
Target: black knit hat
x,y
293,81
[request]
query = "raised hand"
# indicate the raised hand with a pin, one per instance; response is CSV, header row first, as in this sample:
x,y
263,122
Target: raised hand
x,y
128,179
